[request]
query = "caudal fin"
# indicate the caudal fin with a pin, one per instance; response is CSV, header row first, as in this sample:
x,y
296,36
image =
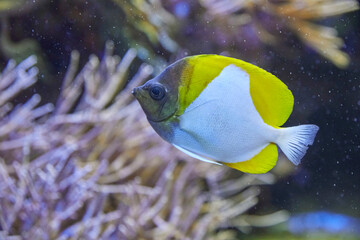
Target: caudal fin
x,y
294,141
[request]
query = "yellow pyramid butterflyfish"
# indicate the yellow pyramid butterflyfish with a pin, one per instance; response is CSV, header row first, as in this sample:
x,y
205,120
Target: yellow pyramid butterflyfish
x,y
224,111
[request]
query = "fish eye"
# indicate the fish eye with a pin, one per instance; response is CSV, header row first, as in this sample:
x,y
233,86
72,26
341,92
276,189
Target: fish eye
x,y
157,92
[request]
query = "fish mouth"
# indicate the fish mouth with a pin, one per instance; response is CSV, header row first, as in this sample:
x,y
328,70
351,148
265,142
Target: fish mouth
x,y
135,91
139,91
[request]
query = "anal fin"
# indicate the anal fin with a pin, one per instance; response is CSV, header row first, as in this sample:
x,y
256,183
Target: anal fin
x,y
262,162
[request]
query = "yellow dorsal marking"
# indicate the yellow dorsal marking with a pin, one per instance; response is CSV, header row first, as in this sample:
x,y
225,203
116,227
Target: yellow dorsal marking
x,y
263,162
198,73
271,97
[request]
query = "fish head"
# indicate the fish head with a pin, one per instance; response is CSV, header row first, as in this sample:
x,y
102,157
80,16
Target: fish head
x,y
158,97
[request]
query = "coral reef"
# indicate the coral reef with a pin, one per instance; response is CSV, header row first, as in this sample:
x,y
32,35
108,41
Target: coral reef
x,y
269,21
295,15
152,19
90,167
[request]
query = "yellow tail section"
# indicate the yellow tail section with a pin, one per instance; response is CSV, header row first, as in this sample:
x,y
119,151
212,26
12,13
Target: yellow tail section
x,y
263,162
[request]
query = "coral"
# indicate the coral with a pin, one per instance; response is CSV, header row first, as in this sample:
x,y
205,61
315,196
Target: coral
x,y
20,50
270,20
16,7
152,19
296,15
90,167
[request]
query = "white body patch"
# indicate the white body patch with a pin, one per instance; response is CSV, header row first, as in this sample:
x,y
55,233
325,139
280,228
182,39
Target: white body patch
x,y
222,123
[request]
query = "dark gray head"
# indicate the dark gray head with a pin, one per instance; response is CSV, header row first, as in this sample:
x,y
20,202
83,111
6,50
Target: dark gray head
x,y
158,97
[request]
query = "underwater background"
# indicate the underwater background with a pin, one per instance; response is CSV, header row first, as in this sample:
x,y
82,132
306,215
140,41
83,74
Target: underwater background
x,y
78,159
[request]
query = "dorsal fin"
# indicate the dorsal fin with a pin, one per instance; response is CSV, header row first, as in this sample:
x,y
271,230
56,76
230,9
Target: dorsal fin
x,y
271,97
262,162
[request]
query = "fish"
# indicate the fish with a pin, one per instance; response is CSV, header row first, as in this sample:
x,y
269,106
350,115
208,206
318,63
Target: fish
x,y
224,111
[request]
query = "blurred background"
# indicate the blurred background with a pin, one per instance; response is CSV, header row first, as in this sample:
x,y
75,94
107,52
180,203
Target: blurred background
x,y
85,146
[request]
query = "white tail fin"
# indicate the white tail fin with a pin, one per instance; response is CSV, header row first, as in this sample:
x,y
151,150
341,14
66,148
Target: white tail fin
x,y
294,141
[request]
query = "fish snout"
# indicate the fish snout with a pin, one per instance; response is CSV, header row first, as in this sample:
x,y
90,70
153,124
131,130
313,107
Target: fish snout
x,y
135,91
